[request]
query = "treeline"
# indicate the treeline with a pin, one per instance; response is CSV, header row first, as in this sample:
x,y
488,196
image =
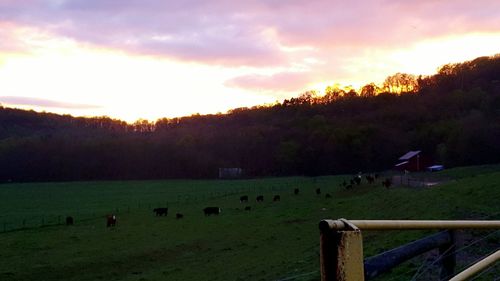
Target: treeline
x,y
453,116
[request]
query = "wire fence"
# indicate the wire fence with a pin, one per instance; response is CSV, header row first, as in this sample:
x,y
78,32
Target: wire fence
x,y
411,180
46,220
41,221
447,253
428,266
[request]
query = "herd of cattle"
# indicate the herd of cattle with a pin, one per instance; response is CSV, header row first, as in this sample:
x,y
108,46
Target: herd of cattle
x,y
276,198
356,180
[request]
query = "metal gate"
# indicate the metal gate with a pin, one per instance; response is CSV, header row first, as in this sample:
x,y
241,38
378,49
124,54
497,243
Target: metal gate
x,y
341,248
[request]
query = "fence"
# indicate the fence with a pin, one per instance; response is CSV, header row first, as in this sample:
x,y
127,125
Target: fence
x,y
341,248
46,220
418,180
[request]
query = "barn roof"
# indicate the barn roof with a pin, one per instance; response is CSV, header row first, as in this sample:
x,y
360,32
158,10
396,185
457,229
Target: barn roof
x,y
409,155
401,164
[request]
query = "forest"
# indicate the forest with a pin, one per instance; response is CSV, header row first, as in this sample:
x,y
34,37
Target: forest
x,y
453,116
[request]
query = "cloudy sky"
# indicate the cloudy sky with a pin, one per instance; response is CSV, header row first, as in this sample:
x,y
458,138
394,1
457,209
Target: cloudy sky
x,y
133,59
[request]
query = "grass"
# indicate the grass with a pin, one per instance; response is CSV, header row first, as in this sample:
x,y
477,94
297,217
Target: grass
x,y
274,241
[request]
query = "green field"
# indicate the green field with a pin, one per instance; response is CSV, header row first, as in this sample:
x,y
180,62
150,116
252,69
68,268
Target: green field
x,y
274,241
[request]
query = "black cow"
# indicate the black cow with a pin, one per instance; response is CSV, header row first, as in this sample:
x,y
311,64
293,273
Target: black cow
x,y
370,179
357,180
69,220
296,191
318,191
110,220
244,198
328,195
276,198
212,211
179,216
248,208
387,183
161,211
260,198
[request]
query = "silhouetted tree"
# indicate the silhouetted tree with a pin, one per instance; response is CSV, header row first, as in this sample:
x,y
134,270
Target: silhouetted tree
x,y
401,83
369,90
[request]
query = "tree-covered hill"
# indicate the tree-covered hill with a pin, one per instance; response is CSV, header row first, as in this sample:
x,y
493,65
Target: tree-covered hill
x,y
453,116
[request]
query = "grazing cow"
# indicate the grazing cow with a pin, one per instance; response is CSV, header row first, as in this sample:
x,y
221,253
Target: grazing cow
x,y
276,198
349,186
69,220
296,191
248,208
387,183
370,179
328,195
212,211
244,198
318,191
260,198
161,211
357,180
376,176
110,220
344,184
179,216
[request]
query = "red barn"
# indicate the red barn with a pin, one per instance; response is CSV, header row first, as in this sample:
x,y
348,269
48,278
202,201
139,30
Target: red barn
x,y
412,161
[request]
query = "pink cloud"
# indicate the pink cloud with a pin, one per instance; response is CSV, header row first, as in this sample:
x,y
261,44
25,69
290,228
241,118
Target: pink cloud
x,y
283,81
31,101
379,23
9,42
238,32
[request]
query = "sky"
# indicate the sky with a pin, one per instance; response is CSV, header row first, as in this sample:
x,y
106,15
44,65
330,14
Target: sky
x,y
132,59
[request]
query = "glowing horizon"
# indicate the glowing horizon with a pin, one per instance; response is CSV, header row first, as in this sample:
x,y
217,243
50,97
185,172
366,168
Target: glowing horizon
x,y
95,58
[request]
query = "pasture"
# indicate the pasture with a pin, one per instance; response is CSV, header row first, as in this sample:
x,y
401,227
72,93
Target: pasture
x,y
273,241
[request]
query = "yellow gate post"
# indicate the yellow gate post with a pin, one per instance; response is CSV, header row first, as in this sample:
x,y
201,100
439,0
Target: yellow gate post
x,y
341,253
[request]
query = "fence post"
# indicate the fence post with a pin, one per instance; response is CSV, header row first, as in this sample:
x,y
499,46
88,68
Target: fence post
x,y
341,253
448,262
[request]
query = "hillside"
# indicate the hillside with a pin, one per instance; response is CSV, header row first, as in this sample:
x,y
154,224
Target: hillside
x,y
453,116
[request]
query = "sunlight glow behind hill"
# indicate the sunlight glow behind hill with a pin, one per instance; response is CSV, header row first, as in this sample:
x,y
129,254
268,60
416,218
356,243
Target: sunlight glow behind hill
x,y
91,59
117,84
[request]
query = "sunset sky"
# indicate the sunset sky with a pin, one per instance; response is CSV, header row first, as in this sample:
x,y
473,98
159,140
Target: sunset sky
x,y
132,59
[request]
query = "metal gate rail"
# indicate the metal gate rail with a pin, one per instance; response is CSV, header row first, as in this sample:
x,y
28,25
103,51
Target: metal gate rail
x,y
343,224
341,247
478,267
